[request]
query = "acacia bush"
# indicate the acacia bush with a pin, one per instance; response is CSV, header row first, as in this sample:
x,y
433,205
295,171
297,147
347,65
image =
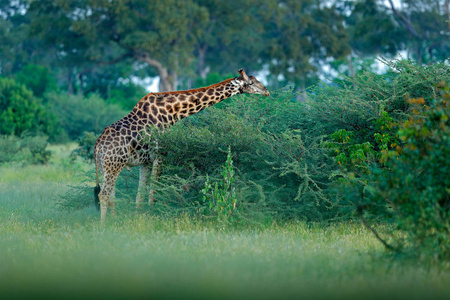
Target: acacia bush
x,y
280,171
307,161
394,162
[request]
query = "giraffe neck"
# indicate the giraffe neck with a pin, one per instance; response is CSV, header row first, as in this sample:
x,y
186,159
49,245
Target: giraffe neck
x,y
160,109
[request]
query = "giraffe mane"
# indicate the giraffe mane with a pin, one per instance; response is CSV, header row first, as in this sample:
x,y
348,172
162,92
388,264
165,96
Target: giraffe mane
x,y
192,90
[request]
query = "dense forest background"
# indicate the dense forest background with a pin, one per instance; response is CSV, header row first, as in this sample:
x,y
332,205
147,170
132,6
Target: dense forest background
x,y
357,123
108,47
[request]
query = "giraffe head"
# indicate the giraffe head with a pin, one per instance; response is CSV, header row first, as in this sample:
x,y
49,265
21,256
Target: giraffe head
x,y
251,85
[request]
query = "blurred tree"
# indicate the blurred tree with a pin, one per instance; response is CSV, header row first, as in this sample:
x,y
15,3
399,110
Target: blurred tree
x,y
372,30
158,33
16,48
36,78
427,28
420,27
299,37
232,36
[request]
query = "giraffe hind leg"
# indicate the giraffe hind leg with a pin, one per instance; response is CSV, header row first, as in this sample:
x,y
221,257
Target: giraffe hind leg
x,y
107,194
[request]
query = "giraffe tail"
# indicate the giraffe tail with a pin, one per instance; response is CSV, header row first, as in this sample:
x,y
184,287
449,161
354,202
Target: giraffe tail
x,y
96,199
97,187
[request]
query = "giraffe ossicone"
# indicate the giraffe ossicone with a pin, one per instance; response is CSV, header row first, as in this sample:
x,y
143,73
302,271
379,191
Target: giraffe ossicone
x,y
124,143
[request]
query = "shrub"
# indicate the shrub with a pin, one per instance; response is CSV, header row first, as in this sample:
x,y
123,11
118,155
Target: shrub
x,y
26,150
77,114
21,112
36,78
85,148
414,188
388,170
220,197
279,170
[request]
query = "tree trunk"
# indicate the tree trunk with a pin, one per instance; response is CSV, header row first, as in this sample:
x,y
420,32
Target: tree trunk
x,y
165,81
351,69
202,71
69,82
447,11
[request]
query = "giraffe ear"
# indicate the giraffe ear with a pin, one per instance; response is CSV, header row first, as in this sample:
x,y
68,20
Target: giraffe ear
x,y
243,75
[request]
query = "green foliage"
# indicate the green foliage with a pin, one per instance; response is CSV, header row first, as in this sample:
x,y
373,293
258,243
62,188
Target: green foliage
x,y
392,168
25,150
281,170
21,112
415,187
36,78
85,148
357,103
125,95
78,114
357,157
220,197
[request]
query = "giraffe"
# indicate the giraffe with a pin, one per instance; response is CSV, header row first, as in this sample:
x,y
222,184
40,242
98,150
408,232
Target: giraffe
x,y
122,144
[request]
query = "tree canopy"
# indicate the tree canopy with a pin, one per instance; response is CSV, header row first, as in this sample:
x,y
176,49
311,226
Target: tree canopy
x,y
97,45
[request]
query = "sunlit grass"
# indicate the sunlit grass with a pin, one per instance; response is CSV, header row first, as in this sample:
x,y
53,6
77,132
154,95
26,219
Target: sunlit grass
x,y
60,168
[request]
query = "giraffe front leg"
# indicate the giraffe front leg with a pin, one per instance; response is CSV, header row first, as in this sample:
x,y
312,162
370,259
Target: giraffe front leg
x,y
155,176
144,174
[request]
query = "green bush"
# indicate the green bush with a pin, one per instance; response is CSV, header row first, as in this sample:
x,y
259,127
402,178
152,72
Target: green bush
x,y
291,160
280,171
77,114
37,79
21,112
85,148
25,150
415,187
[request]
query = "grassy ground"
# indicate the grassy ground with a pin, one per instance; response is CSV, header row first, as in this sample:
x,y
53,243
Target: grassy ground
x,y
47,252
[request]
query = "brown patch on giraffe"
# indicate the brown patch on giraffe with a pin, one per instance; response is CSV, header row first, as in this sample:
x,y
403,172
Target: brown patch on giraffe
x,y
171,99
176,107
154,110
145,107
163,111
152,119
210,92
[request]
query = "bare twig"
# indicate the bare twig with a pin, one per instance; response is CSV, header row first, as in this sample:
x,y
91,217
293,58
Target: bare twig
x,y
359,209
406,21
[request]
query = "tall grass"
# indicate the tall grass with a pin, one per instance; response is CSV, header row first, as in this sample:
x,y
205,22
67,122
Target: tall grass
x,y
48,252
